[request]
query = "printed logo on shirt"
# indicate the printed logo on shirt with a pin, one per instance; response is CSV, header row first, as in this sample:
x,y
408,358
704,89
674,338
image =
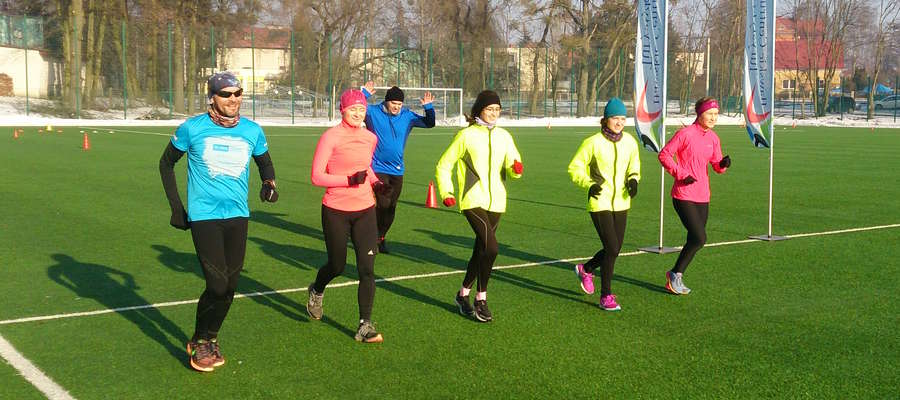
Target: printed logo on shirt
x,y
225,156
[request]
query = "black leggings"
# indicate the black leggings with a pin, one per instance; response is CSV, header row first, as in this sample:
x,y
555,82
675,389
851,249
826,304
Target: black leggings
x,y
337,225
610,226
386,206
484,252
693,217
220,246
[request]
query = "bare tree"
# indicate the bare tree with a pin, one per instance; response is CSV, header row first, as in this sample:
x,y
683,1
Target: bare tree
x,y
885,23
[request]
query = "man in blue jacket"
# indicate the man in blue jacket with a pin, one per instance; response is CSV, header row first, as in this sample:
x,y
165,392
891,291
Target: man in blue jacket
x,y
392,123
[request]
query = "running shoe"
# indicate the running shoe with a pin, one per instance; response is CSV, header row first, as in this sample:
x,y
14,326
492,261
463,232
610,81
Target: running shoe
x,y
217,353
608,303
672,283
683,289
586,279
382,246
314,304
482,313
367,333
465,308
201,355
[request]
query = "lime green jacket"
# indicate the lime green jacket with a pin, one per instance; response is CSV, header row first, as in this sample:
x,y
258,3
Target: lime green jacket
x,y
483,158
613,163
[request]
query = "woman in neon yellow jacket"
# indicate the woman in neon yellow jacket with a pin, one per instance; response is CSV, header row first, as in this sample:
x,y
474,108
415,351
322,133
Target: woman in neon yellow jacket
x,y
484,156
609,167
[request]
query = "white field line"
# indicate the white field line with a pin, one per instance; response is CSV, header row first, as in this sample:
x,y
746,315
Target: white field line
x,y
31,373
408,277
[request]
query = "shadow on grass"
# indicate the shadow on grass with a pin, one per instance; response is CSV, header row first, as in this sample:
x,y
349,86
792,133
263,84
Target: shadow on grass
x,y
276,220
116,289
188,263
300,257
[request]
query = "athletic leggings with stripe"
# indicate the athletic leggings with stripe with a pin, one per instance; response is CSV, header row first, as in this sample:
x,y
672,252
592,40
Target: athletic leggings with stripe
x,y
693,217
361,227
484,223
220,246
610,226
386,206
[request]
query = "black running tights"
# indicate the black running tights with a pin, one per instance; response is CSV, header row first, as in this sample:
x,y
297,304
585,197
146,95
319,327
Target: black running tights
x,y
693,217
360,227
484,252
610,226
387,205
220,246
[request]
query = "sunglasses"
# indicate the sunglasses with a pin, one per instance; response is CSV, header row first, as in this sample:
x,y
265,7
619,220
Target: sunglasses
x,y
226,94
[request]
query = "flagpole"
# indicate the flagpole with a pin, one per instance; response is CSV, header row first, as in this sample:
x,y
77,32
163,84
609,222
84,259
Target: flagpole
x,y
660,248
771,55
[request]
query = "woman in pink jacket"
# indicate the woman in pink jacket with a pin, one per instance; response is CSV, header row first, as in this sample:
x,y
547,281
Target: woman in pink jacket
x,y
343,165
694,147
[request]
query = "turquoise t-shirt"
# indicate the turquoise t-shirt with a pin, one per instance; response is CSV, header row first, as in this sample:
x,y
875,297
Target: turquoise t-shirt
x,y
218,161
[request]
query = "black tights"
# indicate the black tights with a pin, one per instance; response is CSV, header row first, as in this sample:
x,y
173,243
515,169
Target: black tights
x,y
386,206
484,252
610,226
693,217
220,246
337,225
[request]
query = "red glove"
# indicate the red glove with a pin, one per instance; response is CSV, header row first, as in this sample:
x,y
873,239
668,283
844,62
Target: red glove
x,y
449,202
517,167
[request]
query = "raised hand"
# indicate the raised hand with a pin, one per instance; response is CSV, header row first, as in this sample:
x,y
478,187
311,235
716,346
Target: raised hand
x,y
370,87
427,98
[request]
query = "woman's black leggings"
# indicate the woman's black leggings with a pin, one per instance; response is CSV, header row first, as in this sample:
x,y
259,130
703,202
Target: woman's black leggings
x,y
386,206
693,217
220,246
484,252
360,226
610,226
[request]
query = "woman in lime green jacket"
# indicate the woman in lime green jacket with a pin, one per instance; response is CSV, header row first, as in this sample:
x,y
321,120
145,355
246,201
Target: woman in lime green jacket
x,y
484,156
609,167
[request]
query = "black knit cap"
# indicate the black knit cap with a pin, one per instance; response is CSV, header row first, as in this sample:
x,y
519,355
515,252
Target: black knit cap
x,y
393,94
484,99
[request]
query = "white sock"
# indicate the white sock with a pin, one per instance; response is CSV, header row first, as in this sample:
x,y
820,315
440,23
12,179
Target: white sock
x,y
481,296
678,274
464,291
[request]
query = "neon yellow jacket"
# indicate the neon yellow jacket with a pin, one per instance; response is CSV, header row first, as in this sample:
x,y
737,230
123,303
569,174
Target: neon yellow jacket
x,y
615,162
483,159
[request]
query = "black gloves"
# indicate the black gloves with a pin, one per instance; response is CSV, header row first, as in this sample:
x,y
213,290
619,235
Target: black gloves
x,y
632,187
382,188
594,191
268,192
688,180
356,179
725,163
179,219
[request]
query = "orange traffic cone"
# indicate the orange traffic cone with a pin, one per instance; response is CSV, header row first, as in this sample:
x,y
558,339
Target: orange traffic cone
x,y
15,133
431,200
86,144
794,124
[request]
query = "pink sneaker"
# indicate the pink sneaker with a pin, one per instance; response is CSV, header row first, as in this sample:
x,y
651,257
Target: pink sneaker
x,y
587,279
608,303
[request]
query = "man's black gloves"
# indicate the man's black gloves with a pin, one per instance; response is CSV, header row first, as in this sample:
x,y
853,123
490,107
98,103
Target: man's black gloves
x,y
382,188
179,219
268,192
357,179
689,180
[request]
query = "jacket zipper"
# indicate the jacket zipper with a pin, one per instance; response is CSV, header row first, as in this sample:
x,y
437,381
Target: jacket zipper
x,y
490,162
612,201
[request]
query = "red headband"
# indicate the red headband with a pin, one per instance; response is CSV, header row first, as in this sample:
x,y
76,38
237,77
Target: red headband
x,y
706,105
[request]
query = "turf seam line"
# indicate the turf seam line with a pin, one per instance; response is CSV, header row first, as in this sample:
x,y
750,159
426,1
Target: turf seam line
x,y
407,277
32,373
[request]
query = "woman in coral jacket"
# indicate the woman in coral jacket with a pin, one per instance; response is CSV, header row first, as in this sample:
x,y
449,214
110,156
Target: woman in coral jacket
x,y
343,165
484,156
608,166
695,147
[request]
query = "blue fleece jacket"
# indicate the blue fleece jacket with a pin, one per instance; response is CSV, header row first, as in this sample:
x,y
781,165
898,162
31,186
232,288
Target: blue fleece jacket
x,y
392,131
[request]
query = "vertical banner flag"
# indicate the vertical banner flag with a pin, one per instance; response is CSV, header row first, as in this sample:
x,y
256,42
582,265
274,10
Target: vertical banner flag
x,y
759,74
650,73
